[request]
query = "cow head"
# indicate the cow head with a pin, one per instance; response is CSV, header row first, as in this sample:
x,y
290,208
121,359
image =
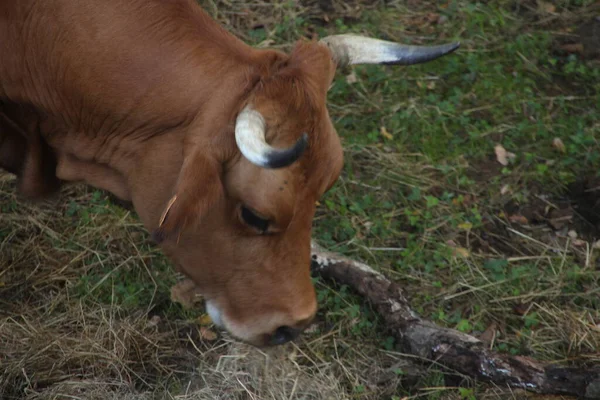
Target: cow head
x,y
250,252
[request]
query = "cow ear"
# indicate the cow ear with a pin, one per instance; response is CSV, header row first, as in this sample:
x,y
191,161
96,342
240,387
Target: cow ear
x,y
198,189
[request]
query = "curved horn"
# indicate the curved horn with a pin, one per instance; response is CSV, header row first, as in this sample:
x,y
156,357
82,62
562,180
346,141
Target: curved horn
x,y
354,49
250,138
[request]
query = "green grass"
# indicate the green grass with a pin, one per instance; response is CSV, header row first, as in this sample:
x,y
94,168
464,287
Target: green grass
x,y
421,185
510,85
421,198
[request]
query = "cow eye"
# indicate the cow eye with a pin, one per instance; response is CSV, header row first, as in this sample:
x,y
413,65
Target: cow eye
x,y
254,220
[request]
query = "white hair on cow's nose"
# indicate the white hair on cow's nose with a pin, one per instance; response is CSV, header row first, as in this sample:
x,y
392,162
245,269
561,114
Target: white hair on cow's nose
x,y
215,314
350,49
250,137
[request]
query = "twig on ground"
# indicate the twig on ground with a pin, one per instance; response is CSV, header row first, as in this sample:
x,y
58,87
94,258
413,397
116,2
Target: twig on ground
x,y
457,350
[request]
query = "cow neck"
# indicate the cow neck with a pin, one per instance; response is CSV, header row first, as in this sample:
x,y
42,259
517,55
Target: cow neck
x,y
199,106
153,178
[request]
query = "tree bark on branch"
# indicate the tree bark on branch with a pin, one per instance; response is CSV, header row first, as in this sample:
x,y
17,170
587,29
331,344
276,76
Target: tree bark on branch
x,y
454,349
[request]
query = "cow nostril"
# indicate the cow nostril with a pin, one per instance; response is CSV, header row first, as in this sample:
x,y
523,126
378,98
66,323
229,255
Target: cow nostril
x,y
284,334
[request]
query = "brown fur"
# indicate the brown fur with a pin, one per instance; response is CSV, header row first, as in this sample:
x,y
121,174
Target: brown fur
x,y
140,97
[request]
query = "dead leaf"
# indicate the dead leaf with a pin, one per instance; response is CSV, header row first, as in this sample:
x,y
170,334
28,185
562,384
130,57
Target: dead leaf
x,y
385,133
461,252
573,48
204,320
505,189
559,145
207,334
572,234
351,78
596,245
431,85
518,219
186,293
579,243
546,7
502,155
489,334
466,226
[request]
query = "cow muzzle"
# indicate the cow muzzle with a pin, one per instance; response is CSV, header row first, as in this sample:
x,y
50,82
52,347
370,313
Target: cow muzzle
x,y
272,329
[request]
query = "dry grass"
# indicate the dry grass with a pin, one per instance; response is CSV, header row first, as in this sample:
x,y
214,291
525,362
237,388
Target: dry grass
x,y
95,352
58,342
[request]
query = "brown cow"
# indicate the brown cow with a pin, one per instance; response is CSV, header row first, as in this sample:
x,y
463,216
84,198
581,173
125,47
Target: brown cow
x,y
223,149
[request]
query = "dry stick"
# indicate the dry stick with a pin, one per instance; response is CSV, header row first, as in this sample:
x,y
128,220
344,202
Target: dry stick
x,y
456,350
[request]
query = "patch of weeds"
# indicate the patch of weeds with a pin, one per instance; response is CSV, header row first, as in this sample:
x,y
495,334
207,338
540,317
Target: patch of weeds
x,y
421,183
343,310
9,206
97,204
133,284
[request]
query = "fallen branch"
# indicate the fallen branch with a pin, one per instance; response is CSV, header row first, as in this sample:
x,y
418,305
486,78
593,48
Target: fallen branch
x,y
456,350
